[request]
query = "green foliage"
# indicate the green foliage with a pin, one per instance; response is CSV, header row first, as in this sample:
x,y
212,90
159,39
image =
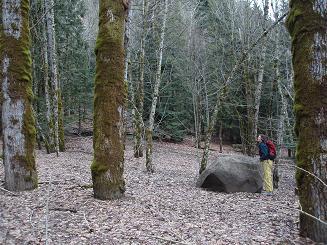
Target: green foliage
x,y
76,63
76,60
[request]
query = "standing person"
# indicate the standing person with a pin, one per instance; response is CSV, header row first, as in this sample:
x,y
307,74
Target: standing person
x,y
266,163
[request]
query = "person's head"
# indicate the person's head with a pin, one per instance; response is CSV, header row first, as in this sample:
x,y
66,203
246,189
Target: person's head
x,y
262,138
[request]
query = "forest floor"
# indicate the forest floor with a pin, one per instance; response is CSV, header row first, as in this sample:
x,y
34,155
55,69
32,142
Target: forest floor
x,y
160,208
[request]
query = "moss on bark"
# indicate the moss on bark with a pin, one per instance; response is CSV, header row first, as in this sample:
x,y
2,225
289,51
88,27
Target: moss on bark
x,y
16,48
61,124
305,23
149,149
109,101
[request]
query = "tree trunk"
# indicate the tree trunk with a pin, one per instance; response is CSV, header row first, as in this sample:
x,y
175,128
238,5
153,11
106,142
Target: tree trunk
x,y
35,85
308,28
221,137
50,135
127,42
249,131
139,97
61,130
257,95
210,129
109,100
17,116
149,131
197,111
283,102
49,11
283,110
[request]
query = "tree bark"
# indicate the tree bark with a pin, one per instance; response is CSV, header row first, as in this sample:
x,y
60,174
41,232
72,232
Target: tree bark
x,y
307,25
50,135
149,130
197,111
283,102
127,42
49,11
221,137
139,97
17,116
109,100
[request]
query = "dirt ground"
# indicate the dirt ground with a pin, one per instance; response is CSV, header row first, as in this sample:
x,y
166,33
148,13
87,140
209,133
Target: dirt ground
x,y
160,208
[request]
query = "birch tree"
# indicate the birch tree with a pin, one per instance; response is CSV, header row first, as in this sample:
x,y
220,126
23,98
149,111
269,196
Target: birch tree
x,y
149,130
109,98
307,25
17,116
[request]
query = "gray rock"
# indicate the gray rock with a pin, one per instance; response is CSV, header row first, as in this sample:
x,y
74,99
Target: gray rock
x,y
232,173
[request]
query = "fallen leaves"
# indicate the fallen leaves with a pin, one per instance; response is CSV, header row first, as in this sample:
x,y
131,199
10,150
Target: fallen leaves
x,y
160,208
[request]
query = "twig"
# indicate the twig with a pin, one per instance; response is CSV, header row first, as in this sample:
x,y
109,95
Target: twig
x,y
55,182
87,223
81,151
316,177
33,227
296,209
168,240
312,175
9,192
307,214
38,21
72,210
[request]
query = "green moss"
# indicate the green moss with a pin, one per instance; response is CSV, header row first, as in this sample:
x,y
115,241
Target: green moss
x,y
293,15
51,136
138,147
20,87
126,91
61,124
98,169
32,179
89,186
298,108
303,24
109,97
149,149
30,138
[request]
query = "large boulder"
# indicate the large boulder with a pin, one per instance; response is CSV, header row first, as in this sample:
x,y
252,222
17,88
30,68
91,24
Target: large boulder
x,y
232,173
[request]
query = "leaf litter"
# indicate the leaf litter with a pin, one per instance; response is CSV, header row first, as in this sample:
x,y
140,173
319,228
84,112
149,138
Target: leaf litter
x,y
160,208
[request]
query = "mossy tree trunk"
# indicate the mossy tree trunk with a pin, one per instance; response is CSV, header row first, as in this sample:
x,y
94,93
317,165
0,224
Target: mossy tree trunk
x,y
307,25
109,100
149,130
127,44
61,131
139,96
50,135
53,67
17,117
